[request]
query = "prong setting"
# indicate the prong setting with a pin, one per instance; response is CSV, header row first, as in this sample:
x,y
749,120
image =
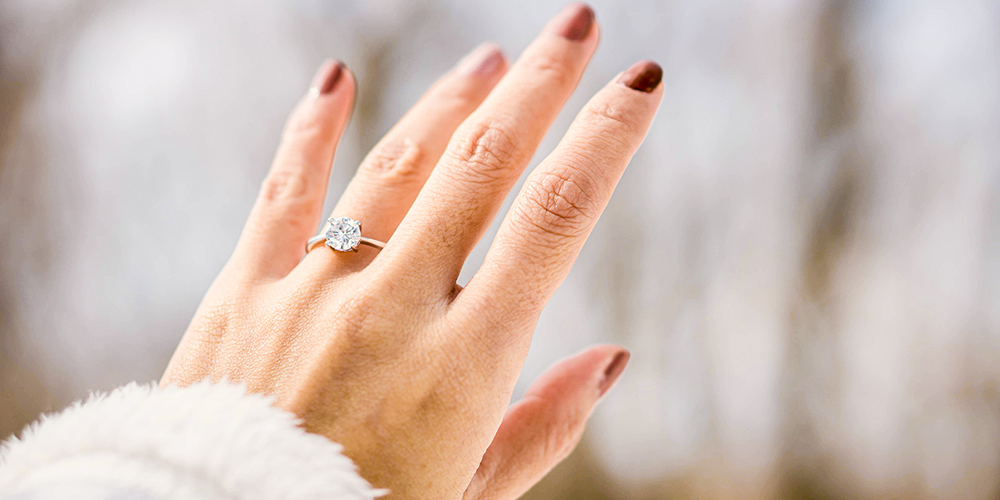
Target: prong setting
x,y
343,234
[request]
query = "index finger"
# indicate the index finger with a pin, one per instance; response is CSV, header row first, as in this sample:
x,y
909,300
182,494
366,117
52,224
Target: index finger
x,y
563,197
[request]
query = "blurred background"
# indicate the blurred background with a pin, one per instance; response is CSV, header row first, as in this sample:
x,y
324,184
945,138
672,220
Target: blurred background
x,y
804,256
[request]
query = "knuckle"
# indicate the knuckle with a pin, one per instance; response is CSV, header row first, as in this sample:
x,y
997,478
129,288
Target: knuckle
x,y
369,319
397,162
358,316
285,184
562,430
563,436
606,116
455,95
305,123
289,190
487,149
551,70
560,202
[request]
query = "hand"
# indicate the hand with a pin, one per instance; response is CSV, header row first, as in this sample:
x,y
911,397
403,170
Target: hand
x,y
382,351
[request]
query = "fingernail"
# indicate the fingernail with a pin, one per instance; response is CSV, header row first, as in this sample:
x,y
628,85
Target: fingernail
x,y
574,22
326,77
643,76
484,60
613,371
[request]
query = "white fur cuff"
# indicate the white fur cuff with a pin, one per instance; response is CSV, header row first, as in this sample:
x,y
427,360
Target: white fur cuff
x,y
206,441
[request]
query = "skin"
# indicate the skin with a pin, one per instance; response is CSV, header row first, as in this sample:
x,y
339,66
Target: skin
x,y
381,350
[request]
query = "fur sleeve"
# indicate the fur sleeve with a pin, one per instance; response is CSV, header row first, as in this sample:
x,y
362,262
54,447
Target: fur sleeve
x,y
206,441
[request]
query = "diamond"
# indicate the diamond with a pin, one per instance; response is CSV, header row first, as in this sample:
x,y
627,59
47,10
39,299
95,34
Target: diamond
x,y
344,234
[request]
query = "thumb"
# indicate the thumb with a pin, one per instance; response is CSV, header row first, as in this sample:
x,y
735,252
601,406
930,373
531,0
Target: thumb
x,y
543,428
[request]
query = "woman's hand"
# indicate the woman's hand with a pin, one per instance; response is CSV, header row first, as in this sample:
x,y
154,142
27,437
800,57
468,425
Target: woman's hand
x,y
382,351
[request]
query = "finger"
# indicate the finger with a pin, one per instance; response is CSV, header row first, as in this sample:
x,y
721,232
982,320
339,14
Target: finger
x,y
491,148
390,177
290,202
563,197
543,428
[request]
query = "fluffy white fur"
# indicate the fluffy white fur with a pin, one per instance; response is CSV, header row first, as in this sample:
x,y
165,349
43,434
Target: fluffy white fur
x,y
206,441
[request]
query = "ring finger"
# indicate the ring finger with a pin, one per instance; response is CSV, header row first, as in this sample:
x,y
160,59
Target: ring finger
x,y
392,174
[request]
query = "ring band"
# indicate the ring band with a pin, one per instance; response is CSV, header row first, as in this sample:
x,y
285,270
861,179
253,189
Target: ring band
x,y
343,234
320,238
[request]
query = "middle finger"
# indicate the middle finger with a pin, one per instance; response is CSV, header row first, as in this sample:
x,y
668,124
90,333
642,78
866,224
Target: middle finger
x,y
491,148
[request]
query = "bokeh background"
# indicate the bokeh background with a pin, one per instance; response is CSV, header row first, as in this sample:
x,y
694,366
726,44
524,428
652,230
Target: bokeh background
x,y
804,256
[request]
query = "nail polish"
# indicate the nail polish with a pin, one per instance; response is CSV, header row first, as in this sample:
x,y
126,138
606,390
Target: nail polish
x,y
484,60
613,371
327,77
643,76
574,22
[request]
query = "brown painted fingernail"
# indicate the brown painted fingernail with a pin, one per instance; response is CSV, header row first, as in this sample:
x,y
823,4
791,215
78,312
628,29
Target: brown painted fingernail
x,y
643,76
574,22
613,371
327,77
484,60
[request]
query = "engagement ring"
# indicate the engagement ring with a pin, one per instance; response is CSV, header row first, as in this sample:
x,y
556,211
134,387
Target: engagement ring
x,y
343,234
